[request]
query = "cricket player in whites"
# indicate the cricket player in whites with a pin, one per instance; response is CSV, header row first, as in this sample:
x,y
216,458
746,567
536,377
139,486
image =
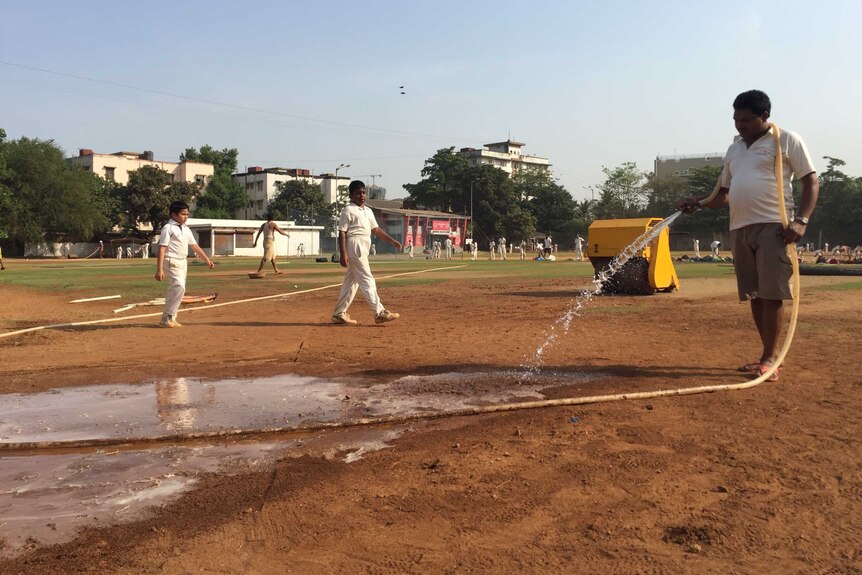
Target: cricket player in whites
x,y
174,241
355,226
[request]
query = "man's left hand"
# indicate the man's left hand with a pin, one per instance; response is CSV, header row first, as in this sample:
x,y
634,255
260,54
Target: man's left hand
x,y
793,232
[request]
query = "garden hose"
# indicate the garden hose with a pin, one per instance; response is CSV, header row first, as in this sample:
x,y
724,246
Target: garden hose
x,y
383,420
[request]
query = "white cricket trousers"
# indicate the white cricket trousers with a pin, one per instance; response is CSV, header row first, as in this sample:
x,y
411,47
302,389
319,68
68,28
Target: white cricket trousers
x,y
175,269
358,276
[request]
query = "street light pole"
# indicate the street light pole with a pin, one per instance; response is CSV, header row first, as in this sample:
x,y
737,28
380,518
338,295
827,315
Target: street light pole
x,y
342,165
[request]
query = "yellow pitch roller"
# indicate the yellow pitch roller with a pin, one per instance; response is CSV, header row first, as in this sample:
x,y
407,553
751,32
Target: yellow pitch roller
x,y
649,271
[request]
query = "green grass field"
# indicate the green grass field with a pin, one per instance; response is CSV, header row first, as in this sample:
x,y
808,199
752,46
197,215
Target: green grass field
x,y
134,280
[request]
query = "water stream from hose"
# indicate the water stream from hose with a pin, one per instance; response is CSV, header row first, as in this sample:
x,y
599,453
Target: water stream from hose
x,y
561,326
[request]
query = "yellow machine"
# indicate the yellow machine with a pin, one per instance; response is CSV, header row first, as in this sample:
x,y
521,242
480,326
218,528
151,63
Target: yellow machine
x,y
650,270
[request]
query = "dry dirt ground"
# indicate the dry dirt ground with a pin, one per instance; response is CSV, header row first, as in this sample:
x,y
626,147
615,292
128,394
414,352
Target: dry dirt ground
x,y
766,480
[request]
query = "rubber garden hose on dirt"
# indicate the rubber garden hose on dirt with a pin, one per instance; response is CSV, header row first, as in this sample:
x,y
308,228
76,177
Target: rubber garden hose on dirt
x,y
791,249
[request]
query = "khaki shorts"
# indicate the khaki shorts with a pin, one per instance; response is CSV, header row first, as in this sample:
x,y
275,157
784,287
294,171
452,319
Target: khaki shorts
x,y
763,268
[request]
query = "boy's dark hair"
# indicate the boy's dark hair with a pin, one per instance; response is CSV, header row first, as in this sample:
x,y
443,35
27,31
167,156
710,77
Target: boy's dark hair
x,y
178,206
270,216
355,185
754,100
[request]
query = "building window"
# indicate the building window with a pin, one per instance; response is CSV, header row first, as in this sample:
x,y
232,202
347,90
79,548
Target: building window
x,y
109,174
259,186
201,180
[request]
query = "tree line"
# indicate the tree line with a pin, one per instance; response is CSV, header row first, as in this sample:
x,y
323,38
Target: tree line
x,y
44,197
531,202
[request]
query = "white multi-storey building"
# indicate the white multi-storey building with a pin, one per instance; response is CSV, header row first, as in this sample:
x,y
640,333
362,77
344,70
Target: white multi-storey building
x,y
260,186
116,167
506,156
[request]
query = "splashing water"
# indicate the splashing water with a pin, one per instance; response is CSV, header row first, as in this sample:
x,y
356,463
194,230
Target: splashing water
x,y
534,364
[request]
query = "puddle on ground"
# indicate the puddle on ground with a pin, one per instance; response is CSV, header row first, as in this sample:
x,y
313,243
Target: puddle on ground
x,y
46,496
167,408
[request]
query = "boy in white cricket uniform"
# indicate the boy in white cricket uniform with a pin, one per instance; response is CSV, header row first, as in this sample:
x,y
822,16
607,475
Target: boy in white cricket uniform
x,y
174,241
355,226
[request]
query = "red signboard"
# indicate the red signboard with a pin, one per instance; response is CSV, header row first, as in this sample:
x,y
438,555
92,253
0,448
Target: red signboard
x,y
440,225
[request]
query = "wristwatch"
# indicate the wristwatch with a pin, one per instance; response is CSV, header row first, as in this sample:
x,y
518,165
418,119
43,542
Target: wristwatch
x,y
801,219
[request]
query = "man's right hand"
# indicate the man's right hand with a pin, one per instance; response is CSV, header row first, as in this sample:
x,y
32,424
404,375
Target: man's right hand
x,y
688,205
160,275
343,260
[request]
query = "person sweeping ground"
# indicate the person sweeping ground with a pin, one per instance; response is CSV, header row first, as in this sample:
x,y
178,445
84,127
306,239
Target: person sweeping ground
x,y
758,237
355,226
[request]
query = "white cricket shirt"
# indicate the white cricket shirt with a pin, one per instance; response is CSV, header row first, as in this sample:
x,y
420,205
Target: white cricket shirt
x,y
177,238
357,221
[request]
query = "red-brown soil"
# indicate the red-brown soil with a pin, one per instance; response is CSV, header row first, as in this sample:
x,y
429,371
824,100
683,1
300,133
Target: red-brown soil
x,y
767,480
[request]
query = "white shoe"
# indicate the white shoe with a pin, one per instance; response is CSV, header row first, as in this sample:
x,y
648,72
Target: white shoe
x,y
343,319
385,316
170,323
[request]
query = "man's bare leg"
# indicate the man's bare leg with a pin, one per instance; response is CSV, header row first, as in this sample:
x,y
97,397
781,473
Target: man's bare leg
x,y
768,315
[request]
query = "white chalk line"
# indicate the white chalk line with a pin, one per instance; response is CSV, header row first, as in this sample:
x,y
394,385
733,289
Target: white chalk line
x,y
222,304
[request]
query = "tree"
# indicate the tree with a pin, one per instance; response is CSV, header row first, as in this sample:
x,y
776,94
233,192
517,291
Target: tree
x,y
376,192
223,161
622,192
147,198
442,180
222,197
5,193
302,202
550,203
662,194
838,216
708,222
44,198
498,209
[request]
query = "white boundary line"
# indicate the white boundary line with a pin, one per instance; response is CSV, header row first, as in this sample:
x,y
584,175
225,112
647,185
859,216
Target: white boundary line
x,y
261,298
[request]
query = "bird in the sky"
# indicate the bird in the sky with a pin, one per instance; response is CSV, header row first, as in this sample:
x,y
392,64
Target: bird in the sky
x,y
402,89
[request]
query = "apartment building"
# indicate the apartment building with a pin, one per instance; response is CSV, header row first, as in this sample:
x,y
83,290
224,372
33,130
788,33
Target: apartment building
x,y
506,156
683,165
116,167
260,185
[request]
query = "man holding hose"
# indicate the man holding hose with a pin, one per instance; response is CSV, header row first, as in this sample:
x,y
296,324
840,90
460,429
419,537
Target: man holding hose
x,y
748,185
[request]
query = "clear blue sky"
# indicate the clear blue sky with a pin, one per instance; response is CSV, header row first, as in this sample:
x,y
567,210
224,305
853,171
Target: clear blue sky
x,y
315,84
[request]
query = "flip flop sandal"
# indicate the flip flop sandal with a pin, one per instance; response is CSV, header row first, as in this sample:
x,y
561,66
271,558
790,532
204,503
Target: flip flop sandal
x,y
752,367
764,368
